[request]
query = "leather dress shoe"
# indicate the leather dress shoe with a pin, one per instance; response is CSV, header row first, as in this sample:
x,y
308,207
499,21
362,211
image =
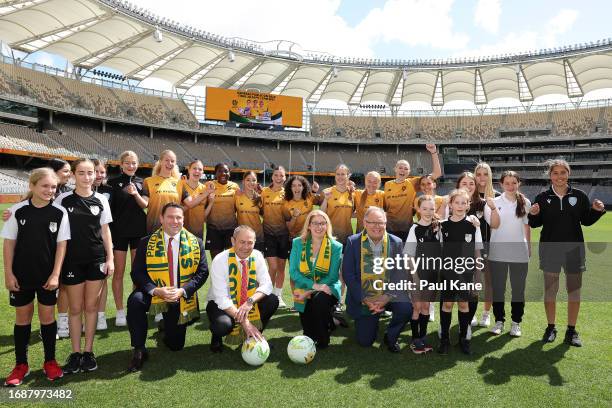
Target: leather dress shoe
x,y
392,347
138,359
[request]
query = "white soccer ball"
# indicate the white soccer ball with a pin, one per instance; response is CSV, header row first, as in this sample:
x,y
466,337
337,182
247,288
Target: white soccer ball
x,y
255,352
301,350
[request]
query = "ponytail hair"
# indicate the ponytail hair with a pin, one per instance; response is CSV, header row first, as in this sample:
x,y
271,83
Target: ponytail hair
x,y
157,168
256,196
37,175
520,198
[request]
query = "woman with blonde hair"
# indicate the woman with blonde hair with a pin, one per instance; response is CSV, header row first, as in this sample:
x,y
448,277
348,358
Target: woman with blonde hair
x,y
314,266
370,196
194,206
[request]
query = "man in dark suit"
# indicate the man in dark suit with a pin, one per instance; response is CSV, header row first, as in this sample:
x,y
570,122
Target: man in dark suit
x,y
367,298
139,301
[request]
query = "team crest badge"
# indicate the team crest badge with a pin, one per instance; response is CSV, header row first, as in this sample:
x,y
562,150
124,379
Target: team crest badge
x,y
53,227
468,237
70,209
403,188
120,184
573,201
22,222
548,201
95,210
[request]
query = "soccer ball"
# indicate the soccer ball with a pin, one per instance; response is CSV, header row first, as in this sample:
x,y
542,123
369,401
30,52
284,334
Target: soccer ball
x,y
301,350
255,352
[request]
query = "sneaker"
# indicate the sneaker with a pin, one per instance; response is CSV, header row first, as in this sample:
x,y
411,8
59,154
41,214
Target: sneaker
x,y
474,322
485,321
281,302
101,325
464,345
417,346
573,339
62,327
549,335
444,346
498,328
159,317
88,362
52,370
73,364
16,376
120,318
468,334
432,313
515,330
426,345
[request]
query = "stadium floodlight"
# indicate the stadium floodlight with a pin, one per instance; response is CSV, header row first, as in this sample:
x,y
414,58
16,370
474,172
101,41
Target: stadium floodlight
x,y
157,35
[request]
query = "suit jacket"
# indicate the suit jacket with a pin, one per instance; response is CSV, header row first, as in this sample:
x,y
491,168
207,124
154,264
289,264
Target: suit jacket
x,y
143,282
351,272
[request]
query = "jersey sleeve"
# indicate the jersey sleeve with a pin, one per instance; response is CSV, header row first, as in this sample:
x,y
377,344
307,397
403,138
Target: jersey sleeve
x,y
10,228
411,242
478,239
106,217
487,214
63,233
145,189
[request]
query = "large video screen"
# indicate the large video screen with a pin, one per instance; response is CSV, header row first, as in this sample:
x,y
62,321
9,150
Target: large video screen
x,y
253,107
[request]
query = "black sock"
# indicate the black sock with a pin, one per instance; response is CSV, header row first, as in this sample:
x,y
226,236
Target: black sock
x,y
464,322
472,307
551,326
48,332
423,320
414,325
571,329
445,322
22,339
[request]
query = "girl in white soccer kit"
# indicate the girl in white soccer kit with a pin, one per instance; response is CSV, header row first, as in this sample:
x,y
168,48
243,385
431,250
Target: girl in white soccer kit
x,y
35,239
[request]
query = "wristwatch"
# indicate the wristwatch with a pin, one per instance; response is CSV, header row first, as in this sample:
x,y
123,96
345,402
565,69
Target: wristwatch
x,y
250,301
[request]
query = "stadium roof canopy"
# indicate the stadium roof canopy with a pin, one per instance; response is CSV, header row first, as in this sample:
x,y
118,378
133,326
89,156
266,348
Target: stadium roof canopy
x,y
118,35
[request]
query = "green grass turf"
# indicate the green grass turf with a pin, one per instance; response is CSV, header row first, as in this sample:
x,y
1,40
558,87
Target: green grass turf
x,y
503,370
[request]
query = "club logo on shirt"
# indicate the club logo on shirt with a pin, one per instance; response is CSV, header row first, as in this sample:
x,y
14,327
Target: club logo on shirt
x,y
95,210
120,184
468,237
53,227
70,209
22,222
446,234
572,201
420,239
12,295
548,201
403,188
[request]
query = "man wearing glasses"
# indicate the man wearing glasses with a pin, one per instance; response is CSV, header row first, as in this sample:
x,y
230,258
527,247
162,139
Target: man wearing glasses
x,y
369,281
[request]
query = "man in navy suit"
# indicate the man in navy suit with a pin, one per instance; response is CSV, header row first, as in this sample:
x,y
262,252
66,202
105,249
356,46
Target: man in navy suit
x,y
366,297
139,302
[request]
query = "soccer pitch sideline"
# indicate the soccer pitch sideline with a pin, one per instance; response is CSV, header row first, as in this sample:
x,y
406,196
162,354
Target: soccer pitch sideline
x,y
502,371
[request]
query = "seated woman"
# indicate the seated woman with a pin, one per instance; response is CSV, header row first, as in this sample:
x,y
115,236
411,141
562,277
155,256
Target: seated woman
x,y
314,266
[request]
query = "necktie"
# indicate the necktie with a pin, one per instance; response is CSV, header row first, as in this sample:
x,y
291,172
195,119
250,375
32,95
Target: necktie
x,y
244,285
170,262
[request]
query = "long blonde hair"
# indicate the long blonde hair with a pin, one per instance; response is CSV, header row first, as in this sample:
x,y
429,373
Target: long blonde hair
x,y
157,168
305,234
489,192
36,176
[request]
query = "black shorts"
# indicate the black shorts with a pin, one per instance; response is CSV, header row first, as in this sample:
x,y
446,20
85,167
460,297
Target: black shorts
x,y
26,296
122,243
218,240
567,255
75,273
276,246
451,294
260,246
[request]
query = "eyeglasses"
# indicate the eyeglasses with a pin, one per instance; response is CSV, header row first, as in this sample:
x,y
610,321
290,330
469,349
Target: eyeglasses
x,y
318,224
376,223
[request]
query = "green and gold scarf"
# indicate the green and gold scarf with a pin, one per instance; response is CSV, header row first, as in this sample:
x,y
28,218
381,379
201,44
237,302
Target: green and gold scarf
x,y
319,269
368,277
237,336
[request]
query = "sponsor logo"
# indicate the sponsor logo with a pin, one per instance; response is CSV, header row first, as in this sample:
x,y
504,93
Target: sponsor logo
x,y
53,227
95,210
573,201
420,239
70,209
22,222
548,201
70,275
468,237
12,295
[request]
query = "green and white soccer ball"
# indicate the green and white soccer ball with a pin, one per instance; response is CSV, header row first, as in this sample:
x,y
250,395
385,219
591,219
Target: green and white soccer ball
x,y
255,352
301,350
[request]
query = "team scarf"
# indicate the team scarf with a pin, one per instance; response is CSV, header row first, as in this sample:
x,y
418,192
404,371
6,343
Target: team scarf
x,y
237,336
368,277
157,268
319,269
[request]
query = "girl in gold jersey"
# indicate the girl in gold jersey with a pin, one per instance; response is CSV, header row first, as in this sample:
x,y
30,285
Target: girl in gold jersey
x,y
276,234
248,207
194,208
338,204
220,212
368,197
300,198
161,188
401,192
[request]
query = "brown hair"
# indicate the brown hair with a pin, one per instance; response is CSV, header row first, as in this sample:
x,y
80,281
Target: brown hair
x,y
550,164
520,198
476,203
256,196
76,163
435,221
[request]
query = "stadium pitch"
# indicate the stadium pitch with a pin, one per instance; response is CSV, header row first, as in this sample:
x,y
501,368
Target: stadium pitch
x,y
504,371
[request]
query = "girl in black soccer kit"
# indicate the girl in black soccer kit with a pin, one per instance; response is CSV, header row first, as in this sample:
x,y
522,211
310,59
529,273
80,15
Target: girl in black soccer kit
x,y
129,223
100,186
461,263
35,239
89,260
560,211
423,243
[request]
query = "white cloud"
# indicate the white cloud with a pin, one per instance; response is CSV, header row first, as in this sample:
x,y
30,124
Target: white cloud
x,y
487,15
559,24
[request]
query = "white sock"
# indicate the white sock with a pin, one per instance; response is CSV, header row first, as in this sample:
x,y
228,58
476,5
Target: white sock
x,y
62,316
278,291
120,312
101,315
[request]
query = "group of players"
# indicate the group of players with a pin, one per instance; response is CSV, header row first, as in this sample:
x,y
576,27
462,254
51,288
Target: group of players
x,y
74,239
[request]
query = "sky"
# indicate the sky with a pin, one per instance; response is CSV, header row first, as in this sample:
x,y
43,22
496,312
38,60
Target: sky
x,y
394,29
